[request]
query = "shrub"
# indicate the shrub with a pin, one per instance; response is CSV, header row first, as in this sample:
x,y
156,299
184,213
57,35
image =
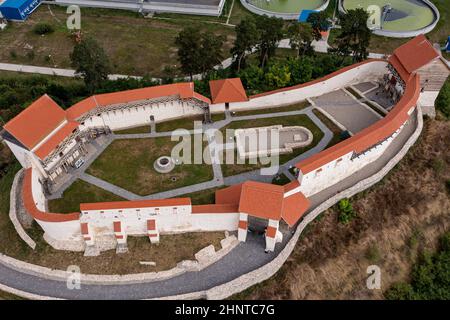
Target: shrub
x,y
30,55
13,54
447,183
438,165
346,211
43,28
373,254
443,100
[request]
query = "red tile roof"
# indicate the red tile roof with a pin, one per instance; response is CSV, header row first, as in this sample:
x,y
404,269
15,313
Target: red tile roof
x,y
371,135
34,123
291,185
262,200
230,194
30,204
52,143
294,207
416,53
184,90
227,90
135,204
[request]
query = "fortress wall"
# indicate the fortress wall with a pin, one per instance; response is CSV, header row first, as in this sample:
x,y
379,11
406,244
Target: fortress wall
x,y
139,116
370,70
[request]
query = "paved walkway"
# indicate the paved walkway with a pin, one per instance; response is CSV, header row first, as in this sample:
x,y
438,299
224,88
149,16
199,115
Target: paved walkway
x,y
215,149
247,256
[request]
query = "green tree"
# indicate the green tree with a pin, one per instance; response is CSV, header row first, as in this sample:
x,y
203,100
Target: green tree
x,y
90,60
189,45
300,70
211,51
278,76
319,22
443,100
198,52
301,37
247,36
271,32
355,36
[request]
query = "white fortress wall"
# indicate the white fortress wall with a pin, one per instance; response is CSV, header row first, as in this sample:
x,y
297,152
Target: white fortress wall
x,y
55,160
168,220
371,71
21,154
137,116
59,230
341,168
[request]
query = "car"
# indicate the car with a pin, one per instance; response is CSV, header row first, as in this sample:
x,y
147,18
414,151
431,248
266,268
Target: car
x,y
79,163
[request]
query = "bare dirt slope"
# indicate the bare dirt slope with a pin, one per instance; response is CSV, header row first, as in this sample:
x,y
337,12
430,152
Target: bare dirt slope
x,y
401,215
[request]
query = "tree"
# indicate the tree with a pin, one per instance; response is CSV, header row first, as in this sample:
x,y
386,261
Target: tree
x,y
271,32
247,36
90,60
319,22
355,35
211,51
301,37
278,76
188,42
198,52
443,100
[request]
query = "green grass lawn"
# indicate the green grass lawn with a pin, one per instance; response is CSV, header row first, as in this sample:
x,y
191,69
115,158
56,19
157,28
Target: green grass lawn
x,y
80,192
129,164
300,120
293,107
202,197
182,123
135,45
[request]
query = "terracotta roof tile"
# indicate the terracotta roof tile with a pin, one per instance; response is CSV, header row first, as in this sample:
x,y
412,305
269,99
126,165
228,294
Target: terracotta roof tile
x,y
371,135
184,90
30,204
227,90
416,53
262,200
230,194
52,143
294,207
34,123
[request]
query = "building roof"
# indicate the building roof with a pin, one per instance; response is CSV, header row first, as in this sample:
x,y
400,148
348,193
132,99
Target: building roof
x,y
30,204
53,142
371,135
227,90
416,53
36,122
184,90
294,207
229,195
262,200
135,204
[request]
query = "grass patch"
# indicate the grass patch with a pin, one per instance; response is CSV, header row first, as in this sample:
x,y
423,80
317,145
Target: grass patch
x,y
182,123
135,130
299,120
128,164
202,197
136,46
80,192
292,107
217,116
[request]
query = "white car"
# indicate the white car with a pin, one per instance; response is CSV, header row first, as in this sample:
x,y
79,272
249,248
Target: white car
x,y
79,163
